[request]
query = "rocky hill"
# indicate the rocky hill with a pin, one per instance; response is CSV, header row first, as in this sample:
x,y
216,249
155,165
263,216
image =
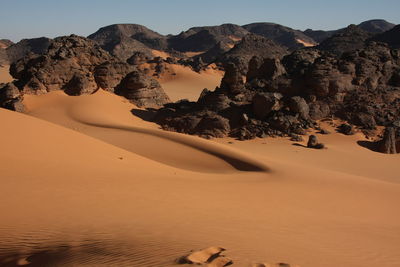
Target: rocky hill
x,y
374,26
282,35
123,40
346,40
391,37
204,38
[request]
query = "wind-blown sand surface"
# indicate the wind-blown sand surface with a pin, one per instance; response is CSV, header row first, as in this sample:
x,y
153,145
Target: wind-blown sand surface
x,y
188,84
117,191
5,76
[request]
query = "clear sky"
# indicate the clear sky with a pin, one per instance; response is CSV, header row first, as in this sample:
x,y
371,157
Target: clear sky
x,y
34,18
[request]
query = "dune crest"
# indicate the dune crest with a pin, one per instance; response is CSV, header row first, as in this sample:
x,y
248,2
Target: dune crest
x,y
114,123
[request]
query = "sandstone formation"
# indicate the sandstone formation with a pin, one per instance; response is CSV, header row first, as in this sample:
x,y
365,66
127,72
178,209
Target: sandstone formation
x,y
79,66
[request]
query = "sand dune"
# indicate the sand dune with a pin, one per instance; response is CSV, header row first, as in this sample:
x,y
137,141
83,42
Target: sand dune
x,y
117,191
5,76
188,84
106,117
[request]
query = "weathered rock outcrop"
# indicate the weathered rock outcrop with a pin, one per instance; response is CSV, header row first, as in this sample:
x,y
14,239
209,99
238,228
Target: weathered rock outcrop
x,y
79,66
251,45
69,61
142,90
286,96
388,144
11,98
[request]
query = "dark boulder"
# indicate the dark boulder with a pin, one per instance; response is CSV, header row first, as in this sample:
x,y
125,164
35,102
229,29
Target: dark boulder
x,y
388,143
346,129
313,143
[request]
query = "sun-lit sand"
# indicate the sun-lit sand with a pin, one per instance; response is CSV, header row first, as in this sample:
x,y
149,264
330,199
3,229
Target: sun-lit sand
x,y
5,76
188,84
86,183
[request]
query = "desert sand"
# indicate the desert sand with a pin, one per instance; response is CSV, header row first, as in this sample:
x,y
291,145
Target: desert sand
x,y
188,84
5,76
86,183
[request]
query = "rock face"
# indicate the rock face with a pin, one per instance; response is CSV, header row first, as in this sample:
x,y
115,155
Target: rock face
x,y
142,90
284,36
388,145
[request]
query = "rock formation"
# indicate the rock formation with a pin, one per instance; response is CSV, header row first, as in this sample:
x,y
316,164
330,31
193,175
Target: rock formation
x,y
313,143
142,90
388,144
285,96
79,66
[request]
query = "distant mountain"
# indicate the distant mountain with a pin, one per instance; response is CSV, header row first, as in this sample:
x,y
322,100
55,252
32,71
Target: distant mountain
x,y
376,26
372,26
122,40
391,37
25,46
318,35
204,38
282,35
346,40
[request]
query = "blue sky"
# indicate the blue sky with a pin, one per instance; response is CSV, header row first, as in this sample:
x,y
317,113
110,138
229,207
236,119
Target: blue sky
x,y
34,18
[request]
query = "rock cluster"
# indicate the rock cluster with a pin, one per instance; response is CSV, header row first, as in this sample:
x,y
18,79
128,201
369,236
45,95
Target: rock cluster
x,y
286,96
79,66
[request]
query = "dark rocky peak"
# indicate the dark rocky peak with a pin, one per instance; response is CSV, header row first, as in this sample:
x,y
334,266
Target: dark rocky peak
x,y
205,38
22,48
282,35
391,37
376,25
120,32
346,40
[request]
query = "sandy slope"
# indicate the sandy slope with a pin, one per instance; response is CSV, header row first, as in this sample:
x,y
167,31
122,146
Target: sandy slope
x,y
136,196
188,84
5,76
